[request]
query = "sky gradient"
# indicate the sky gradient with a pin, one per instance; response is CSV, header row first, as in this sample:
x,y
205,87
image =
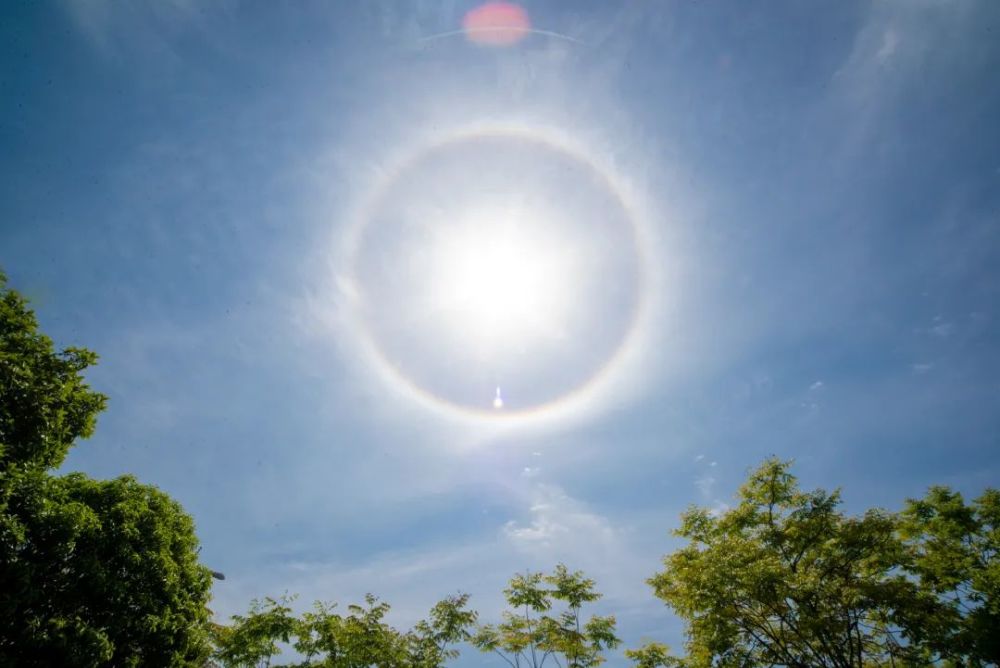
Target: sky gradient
x,y
819,188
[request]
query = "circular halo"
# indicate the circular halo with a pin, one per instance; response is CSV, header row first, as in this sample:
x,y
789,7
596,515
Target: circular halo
x,y
578,399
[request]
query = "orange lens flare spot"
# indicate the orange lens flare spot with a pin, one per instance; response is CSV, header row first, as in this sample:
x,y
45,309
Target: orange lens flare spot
x,y
496,24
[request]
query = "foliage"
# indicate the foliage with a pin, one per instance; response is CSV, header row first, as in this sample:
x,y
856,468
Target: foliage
x,y
529,634
653,655
95,572
45,404
253,639
359,639
91,572
953,549
786,579
432,641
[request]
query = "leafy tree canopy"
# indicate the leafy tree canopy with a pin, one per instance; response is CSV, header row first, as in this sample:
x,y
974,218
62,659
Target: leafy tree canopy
x,y
361,638
653,655
45,404
531,634
91,572
954,552
786,579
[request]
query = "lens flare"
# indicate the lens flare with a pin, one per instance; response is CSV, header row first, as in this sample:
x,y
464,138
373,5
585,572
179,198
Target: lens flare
x,y
496,24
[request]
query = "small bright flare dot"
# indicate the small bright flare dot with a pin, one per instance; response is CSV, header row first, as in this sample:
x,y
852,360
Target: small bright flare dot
x,y
498,400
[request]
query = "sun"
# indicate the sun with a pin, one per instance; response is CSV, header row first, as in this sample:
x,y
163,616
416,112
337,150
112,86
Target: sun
x,y
496,271
502,278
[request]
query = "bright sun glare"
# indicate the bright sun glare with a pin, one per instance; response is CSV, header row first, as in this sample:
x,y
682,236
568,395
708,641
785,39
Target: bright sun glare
x,y
497,268
497,280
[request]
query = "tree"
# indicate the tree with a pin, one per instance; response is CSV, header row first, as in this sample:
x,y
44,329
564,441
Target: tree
x,y
653,655
954,550
252,640
96,572
432,641
91,572
359,639
786,579
530,635
45,404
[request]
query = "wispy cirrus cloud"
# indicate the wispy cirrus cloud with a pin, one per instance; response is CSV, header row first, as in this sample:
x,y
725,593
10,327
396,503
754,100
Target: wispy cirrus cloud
x,y
116,28
554,528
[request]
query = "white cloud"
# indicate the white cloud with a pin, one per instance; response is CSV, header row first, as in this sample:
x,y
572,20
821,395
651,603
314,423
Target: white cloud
x,y
943,330
705,485
706,488
890,40
410,580
560,528
560,525
896,44
557,528
718,508
123,28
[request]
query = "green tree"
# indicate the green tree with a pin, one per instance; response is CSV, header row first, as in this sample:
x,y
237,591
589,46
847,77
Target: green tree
x,y
361,638
45,404
653,655
253,639
529,635
432,641
953,550
98,572
785,579
91,572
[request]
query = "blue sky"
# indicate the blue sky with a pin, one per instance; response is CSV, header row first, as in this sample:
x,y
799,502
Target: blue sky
x,y
817,188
